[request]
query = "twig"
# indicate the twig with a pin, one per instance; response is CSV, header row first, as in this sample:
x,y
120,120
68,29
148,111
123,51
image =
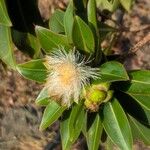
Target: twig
x,y
132,51
126,29
140,44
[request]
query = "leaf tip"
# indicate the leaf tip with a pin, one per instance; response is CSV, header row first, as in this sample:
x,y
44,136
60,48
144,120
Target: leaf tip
x,y
37,27
41,129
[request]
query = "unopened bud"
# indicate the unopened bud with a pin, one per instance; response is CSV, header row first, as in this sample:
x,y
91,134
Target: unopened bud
x,y
97,94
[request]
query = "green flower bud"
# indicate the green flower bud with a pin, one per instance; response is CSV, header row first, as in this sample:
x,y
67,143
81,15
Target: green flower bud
x,y
97,96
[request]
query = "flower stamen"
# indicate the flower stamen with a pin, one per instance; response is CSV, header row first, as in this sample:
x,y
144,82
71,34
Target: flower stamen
x,y
68,75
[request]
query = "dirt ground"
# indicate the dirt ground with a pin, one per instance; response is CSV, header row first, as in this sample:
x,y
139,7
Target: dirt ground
x,y
20,117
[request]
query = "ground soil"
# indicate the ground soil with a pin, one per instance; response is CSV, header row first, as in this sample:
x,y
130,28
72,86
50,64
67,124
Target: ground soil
x,y
20,117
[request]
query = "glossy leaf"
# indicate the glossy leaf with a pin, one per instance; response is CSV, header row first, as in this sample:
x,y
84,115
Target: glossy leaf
x,y
34,70
71,126
92,21
126,4
116,125
92,18
65,134
133,107
50,40
6,47
139,131
68,20
56,22
51,113
94,134
139,87
43,98
82,36
4,18
112,71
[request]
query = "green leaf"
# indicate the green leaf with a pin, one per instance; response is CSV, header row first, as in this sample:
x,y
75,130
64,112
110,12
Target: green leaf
x,y
92,21
92,18
133,107
68,20
82,36
84,127
110,5
6,48
109,145
139,87
4,18
33,44
139,131
43,98
76,122
26,42
116,125
112,71
34,70
65,134
56,22
71,126
50,40
51,113
94,134
126,4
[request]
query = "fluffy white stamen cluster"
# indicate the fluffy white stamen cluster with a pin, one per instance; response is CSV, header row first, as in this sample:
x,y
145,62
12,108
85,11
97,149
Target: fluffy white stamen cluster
x,y
68,74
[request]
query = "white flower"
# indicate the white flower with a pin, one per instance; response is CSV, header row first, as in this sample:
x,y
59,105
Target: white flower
x,y
68,74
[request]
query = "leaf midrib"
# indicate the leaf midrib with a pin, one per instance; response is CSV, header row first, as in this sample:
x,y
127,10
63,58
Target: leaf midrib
x,y
30,69
118,125
46,121
138,101
140,94
4,12
48,38
97,124
115,75
57,18
81,34
139,129
137,81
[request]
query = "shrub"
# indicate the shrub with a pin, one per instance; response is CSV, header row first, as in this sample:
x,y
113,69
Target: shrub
x,y
86,88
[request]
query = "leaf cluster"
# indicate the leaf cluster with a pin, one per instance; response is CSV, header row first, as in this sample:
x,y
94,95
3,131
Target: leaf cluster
x,y
125,117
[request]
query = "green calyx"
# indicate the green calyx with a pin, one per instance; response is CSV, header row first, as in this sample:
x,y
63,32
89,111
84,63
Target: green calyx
x,y
97,94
